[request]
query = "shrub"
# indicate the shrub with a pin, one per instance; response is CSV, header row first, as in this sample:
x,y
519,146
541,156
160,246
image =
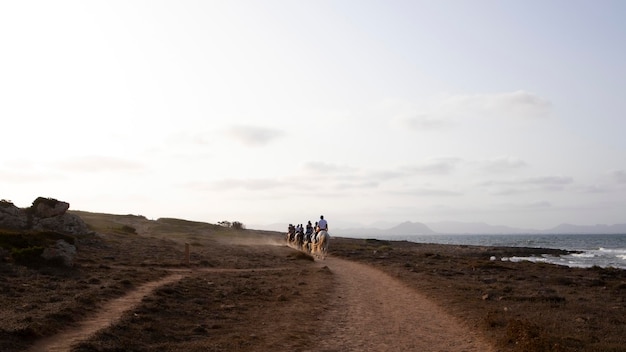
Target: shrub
x,y
29,256
237,225
128,229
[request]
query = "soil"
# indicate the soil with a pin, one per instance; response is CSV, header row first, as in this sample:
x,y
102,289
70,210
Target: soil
x,y
133,289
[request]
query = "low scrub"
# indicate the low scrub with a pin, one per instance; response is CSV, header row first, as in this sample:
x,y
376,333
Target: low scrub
x,y
26,247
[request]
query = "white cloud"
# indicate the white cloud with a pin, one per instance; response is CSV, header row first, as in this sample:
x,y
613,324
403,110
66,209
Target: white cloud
x,y
518,104
14,177
98,163
423,121
529,184
254,135
434,166
442,112
352,185
501,164
258,184
427,192
548,181
533,205
619,176
323,167
595,189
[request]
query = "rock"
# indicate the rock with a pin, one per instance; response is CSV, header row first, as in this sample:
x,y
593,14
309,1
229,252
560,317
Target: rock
x,y
49,207
44,214
61,250
12,217
67,223
4,254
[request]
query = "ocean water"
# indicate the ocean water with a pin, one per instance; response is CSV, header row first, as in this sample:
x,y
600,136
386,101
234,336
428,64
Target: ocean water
x,y
596,250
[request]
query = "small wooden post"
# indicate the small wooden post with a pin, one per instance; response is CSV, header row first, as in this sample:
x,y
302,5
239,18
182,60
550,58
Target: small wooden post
x,y
187,253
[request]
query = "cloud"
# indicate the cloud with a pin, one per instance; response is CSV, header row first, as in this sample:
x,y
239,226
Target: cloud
x,y
434,166
440,112
258,184
322,167
501,164
548,181
619,176
253,135
538,205
358,185
520,104
387,175
99,163
593,189
538,181
544,183
427,192
14,177
422,121
188,138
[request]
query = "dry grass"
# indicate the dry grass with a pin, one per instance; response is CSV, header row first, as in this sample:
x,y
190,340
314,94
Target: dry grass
x,y
519,306
267,300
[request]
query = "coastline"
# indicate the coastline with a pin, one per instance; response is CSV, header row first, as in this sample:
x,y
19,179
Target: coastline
x,y
519,306
585,250
236,279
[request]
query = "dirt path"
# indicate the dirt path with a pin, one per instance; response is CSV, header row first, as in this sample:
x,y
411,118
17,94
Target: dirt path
x,y
113,310
107,315
372,311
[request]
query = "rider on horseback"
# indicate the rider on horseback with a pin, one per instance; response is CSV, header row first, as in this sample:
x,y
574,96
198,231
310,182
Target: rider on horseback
x,y
322,225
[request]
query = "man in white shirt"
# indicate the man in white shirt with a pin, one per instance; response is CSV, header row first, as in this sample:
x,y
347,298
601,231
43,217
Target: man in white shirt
x,y
322,224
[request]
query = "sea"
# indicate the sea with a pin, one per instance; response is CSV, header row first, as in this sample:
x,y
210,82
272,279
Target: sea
x,y
594,250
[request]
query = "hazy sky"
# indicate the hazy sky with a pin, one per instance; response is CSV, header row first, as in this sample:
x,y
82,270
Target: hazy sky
x,y
505,112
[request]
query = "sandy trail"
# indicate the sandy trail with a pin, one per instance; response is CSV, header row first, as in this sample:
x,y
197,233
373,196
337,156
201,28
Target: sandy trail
x,y
372,311
113,311
107,315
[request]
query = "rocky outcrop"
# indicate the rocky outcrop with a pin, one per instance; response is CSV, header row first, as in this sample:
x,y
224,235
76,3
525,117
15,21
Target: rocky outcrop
x,y
61,251
12,217
48,207
44,214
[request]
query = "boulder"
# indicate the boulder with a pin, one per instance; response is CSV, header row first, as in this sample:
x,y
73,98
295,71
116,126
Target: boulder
x,y
44,214
4,254
49,207
62,251
12,217
70,224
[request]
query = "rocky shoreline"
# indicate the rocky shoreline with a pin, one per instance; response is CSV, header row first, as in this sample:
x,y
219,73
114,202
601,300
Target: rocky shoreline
x,y
231,301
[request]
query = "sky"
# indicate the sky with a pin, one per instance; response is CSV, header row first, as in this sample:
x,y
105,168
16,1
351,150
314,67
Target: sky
x,y
505,112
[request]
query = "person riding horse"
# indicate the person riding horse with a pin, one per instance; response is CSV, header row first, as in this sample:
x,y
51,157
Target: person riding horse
x,y
291,233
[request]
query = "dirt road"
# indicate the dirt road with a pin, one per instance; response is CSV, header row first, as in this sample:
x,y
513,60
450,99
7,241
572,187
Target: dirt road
x,y
107,315
369,311
374,312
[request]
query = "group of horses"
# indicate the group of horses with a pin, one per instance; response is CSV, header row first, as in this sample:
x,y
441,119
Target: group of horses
x,y
314,244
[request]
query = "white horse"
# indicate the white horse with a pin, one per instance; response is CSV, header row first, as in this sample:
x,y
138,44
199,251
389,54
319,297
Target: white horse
x,y
319,247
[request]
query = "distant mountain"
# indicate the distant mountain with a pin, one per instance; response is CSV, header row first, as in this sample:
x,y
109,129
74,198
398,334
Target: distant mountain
x,y
409,228
600,229
405,228
455,227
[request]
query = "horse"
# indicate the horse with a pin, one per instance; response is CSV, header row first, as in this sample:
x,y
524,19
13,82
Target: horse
x,y
320,246
299,240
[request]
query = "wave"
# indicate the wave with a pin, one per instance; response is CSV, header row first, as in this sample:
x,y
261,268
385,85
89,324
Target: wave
x,y
595,250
